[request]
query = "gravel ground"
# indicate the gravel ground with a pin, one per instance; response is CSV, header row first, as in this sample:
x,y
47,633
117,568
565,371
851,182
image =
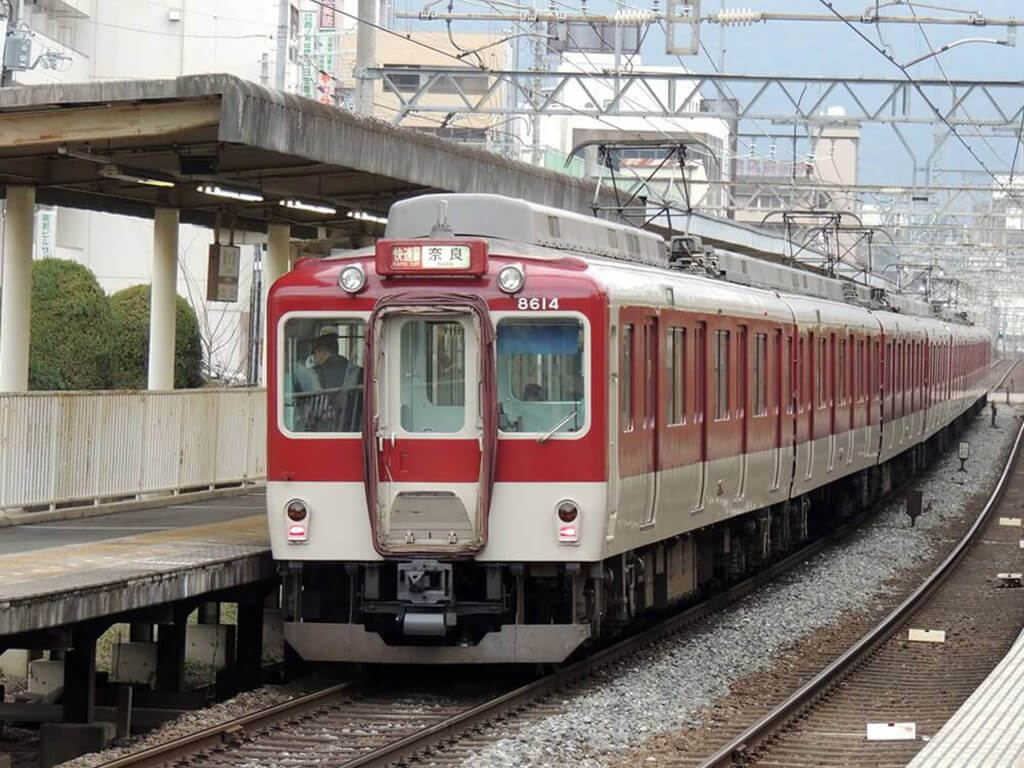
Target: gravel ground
x,y
193,722
664,687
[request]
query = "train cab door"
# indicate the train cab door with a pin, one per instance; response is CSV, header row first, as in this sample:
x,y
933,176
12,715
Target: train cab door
x,y
430,448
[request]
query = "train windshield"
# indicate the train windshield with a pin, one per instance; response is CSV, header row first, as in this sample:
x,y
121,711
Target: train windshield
x,y
540,375
322,386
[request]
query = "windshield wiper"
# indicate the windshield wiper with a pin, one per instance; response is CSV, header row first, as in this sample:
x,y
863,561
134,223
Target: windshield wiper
x,y
558,426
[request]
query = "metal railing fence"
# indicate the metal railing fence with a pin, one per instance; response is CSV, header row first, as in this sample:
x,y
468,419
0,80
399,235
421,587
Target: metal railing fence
x,y
73,448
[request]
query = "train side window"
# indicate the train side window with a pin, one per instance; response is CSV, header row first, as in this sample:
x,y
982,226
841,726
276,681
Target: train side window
x,y
819,372
800,386
322,375
675,362
858,371
720,361
541,381
760,374
626,378
841,373
790,371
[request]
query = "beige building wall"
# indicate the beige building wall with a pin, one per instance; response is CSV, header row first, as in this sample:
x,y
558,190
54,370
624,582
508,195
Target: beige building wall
x,y
443,93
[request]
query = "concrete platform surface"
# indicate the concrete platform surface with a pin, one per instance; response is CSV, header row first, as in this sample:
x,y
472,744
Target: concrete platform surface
x,y
986,731
64,572
24,538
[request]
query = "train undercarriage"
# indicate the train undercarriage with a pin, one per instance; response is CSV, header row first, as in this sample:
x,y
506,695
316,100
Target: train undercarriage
x,y
435,611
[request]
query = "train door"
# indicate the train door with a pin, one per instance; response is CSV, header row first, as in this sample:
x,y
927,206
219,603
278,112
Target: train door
x,y
639,371
430,448
743,414
652,374
830,395
780,361
810,392
700,404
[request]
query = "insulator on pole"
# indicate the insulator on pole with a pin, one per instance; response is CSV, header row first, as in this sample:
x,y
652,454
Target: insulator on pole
x,y
737,16
631,17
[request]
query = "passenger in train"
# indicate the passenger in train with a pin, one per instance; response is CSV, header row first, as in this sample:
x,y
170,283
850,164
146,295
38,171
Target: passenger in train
x,y
343,379
532,391
330,367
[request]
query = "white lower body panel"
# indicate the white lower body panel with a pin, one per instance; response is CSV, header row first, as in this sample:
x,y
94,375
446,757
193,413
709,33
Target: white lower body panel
x,y
512,644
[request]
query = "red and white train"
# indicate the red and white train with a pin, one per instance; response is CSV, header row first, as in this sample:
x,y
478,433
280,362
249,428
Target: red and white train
x,y
507,429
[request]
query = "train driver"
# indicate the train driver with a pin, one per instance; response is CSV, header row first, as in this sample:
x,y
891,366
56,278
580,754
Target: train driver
x,y
343,379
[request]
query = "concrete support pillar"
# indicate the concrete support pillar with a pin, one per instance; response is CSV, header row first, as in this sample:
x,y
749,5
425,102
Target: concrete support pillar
x,y
274,265
16,301
170,653
80,677
163,291
249,654
209,613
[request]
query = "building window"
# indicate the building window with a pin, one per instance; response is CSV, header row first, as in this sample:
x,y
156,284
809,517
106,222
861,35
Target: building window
x,y
456,81
720,361
760,374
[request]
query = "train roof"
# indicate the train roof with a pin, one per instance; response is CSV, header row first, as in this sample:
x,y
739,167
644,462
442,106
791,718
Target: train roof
x,y
537,228
505,218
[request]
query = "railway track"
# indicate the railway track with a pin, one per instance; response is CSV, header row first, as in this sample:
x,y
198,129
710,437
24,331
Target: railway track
x,y
362,723
885,677
1011,375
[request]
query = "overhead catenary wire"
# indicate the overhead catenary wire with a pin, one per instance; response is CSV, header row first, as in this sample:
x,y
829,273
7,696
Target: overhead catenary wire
x,y
945,77
913,82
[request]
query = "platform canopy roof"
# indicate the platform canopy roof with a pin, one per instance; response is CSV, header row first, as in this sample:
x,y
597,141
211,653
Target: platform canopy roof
x,y
90,145
129,146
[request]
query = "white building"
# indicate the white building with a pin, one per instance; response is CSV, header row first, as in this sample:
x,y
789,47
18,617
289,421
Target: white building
x,y
83,40
707,136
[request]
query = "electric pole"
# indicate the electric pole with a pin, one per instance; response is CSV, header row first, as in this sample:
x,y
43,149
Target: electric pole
x,y
17,49
281,65
366,55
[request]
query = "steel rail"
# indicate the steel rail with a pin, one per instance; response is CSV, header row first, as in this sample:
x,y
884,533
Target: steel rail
x,y
231,731
1002,379
426,738
236,731
743,746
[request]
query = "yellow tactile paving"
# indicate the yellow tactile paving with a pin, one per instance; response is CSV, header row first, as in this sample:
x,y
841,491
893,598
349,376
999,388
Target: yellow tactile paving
x,y
58,569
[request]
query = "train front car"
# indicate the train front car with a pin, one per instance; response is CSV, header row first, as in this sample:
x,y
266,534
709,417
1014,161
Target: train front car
x,y
436,459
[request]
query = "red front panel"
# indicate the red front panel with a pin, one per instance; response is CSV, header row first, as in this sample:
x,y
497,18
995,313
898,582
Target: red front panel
x,y
312,287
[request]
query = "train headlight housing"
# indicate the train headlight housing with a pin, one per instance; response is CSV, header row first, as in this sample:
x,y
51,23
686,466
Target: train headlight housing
x,y
297,513
568,514
511,278
352,279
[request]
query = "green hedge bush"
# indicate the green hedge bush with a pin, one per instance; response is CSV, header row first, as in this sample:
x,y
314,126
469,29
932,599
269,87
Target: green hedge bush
x,y
130,363
72,330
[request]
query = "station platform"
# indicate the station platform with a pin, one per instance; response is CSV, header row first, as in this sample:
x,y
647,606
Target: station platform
x,y
986,731
61,573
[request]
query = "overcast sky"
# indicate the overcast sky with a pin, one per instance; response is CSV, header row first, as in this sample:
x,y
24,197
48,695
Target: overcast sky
x,y
835,49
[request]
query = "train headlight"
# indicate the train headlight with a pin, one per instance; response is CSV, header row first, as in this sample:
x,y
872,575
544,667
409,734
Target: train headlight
x,y
568,513
352,278
298,521
511,278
